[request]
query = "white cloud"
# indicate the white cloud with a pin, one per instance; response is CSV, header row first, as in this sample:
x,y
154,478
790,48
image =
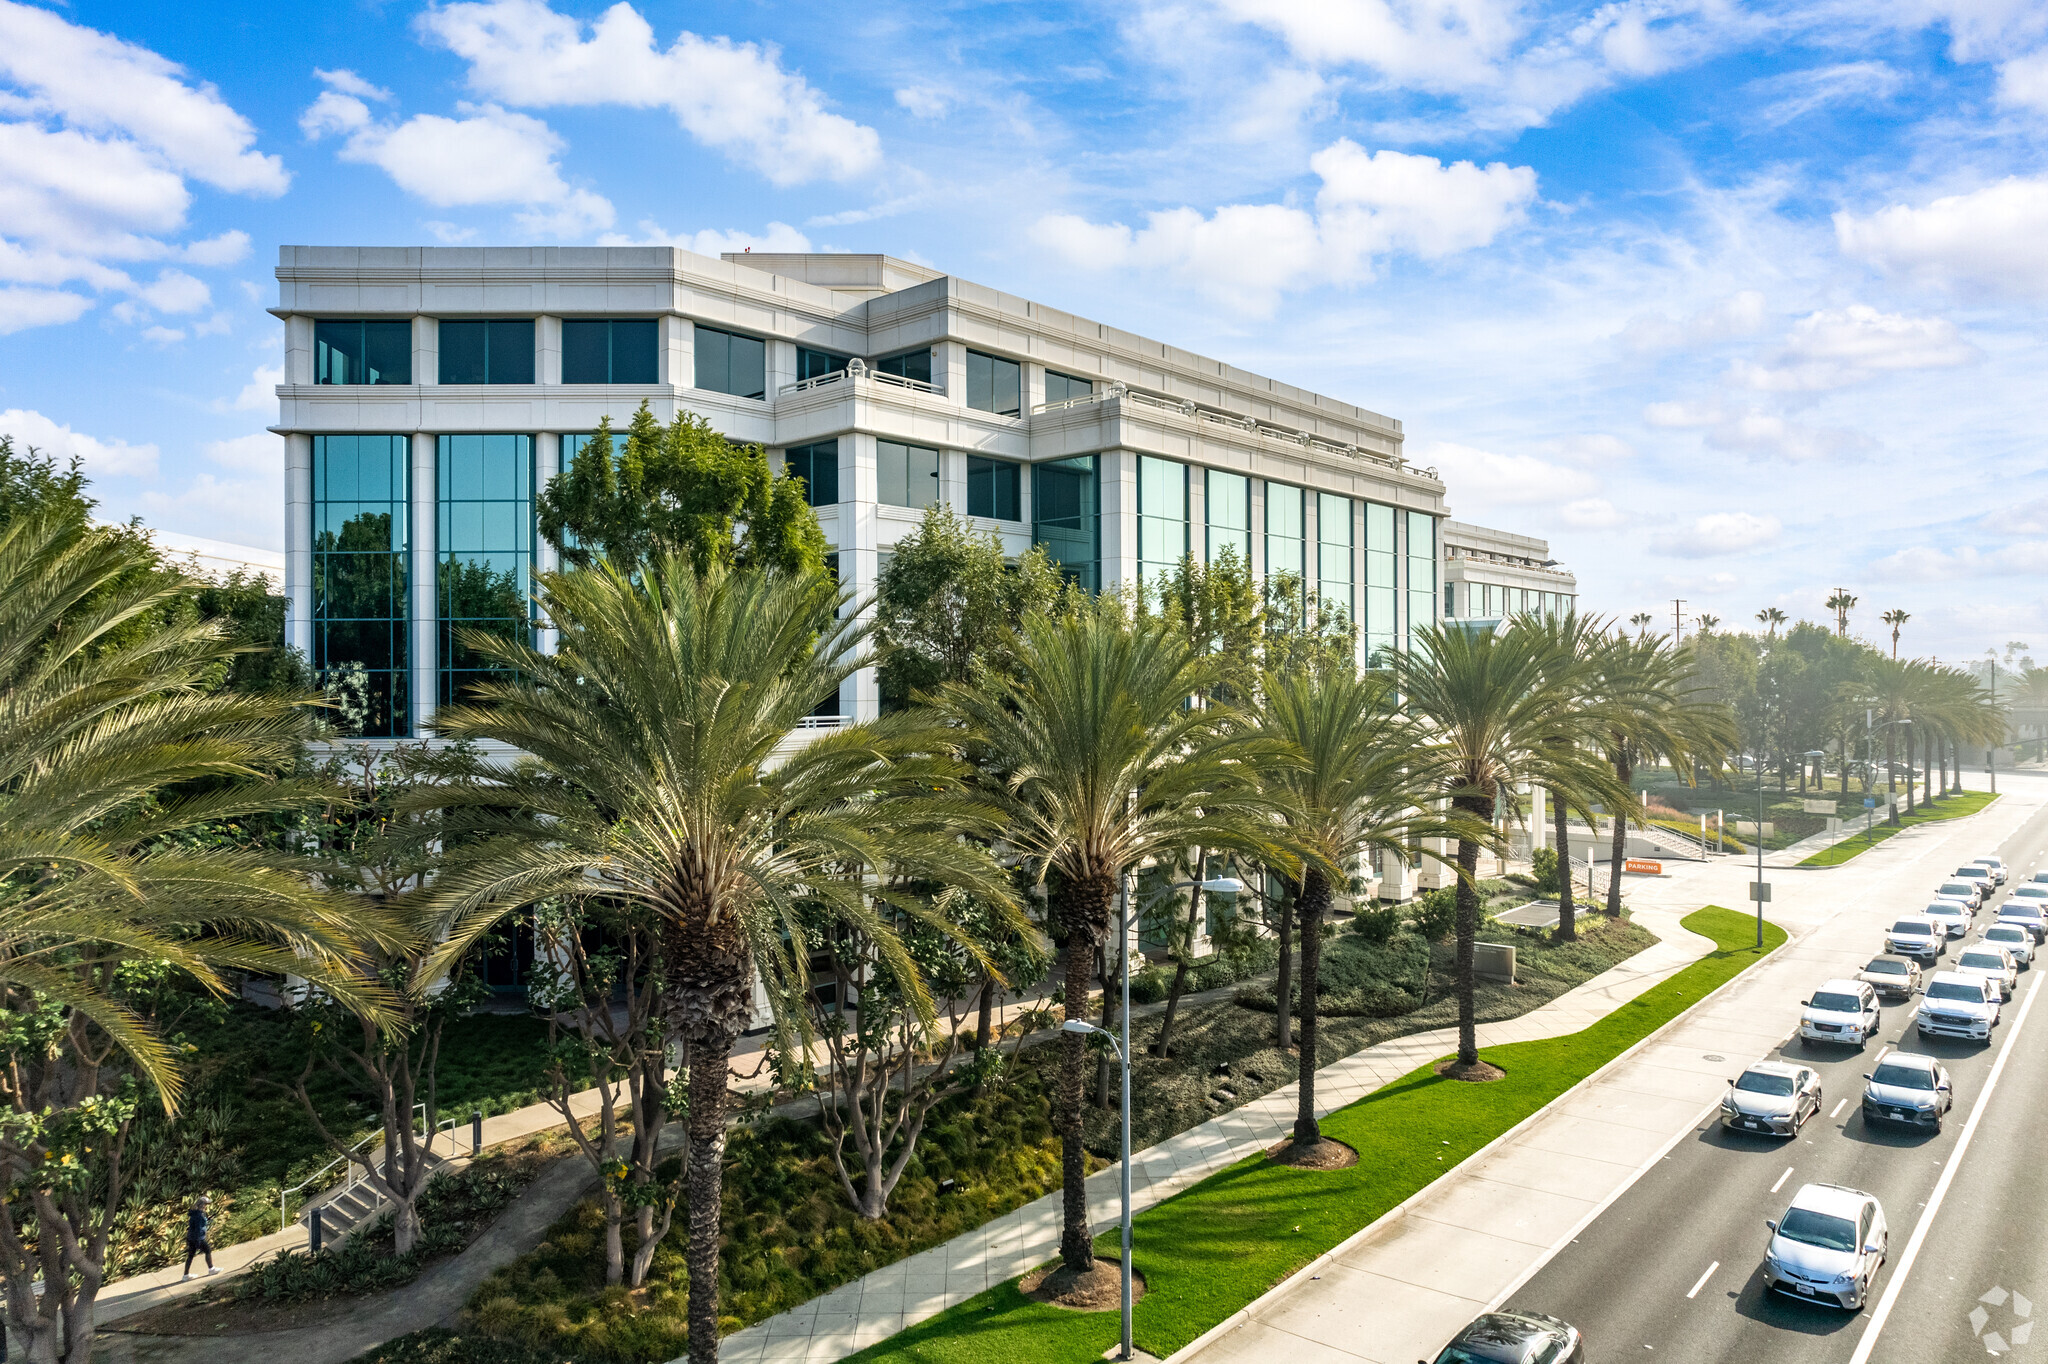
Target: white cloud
x,y
243,511
259,452
1740,314
1836,348
259,394
175,292
1722,533
924,101
21,309
735,97
101,458
1753,432
1922,563
1590,513
2023,82
162,336
712,241
349,83
491,156
1594,448
1372,204
1492,478
98,140
1791,95
1984,243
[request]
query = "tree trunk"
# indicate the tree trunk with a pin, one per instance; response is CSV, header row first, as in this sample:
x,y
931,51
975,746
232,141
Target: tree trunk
x,y
985,1024
1084,915
1479,808
1311,905
1283,1019
1891,762
405,1226
1162,1044
1105,1073
1912,775
614,1241
710,1054
1567,913
1618,852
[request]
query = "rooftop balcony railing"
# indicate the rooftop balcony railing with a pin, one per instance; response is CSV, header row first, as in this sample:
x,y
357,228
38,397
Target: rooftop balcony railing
x,y
858,369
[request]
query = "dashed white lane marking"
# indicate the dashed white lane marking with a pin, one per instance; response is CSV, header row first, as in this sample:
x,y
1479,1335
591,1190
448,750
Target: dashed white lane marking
x,y
1703,1279
1781,1179
1838,1110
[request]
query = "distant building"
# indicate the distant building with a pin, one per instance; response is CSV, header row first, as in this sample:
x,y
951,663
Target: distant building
x,y
219,559
1490,575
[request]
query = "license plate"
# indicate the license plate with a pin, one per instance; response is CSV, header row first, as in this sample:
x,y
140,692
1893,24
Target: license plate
x,y
1755,1123
1804,1289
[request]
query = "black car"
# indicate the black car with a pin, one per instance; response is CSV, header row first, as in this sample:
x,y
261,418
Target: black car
x,y
1515,1338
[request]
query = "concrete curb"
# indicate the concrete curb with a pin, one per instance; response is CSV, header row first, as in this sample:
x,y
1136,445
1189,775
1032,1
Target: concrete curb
x,y
1315,1267
1837,866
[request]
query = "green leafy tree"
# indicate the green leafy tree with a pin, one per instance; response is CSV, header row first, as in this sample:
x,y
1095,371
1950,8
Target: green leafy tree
x,y
1106,765
682,489
946,603
660,773
117,749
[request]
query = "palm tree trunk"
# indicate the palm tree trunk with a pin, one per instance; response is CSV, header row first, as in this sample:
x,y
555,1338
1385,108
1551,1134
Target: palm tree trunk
x,y
1479,808
1312,904
1912,776
985,1024
1891,815
1105,1074
710,1053
1084,915
1283,1021
1617,852
1567,913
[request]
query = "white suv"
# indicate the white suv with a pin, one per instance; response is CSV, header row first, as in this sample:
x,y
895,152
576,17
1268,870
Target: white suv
x,y
1956,1005
1841,1011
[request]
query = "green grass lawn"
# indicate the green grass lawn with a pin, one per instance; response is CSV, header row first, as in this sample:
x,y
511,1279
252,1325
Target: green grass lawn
x,y
1220,1245
1949,807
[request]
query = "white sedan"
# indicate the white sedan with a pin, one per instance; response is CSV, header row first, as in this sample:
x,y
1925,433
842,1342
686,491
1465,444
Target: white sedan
x,y
2015,939
1992,962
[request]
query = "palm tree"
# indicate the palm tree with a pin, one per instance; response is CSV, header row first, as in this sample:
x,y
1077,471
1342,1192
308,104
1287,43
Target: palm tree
x,y
659,774
1641,620
1708,624
1107,765
1497,716
1349,789
1648,710
1895,618
1569,645
121,766
1841,603
1771,618
1890,690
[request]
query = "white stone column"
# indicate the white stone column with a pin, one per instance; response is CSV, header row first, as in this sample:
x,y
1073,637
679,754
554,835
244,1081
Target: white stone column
x,y
298,543
1198,513
677,359
1539,817
1256,522
426,350
1033,383
781,366
1359,645
953,479
859,556
425,679
547,462
547,343
298,350
949,369
1117,491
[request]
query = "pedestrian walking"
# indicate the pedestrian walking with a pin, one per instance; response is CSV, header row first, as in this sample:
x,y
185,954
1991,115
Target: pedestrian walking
x,y
198,1239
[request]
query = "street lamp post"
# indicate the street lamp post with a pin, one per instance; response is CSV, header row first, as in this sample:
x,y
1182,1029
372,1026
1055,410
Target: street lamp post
x,y
1758,891
1222,885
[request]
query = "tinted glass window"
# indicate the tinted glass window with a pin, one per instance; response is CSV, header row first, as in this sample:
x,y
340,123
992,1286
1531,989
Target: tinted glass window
x,y
499,351
994,488
1333,553
1065,499
1904,1077
1841,1004
1227,501
1060,387
1983,961
817,465
362,352
1818,1229
912,364
1881,967
462,352
814,364
2007,934
360,617
906,475
1758,1082
1162,518
484,549
993,384
730,363
1957,990
609,350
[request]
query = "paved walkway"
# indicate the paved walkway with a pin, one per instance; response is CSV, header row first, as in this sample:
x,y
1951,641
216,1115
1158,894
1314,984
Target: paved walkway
x,y
886,1301
1401,1288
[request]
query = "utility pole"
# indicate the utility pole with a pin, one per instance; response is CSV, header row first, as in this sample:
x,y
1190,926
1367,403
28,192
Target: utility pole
x,y
1677,619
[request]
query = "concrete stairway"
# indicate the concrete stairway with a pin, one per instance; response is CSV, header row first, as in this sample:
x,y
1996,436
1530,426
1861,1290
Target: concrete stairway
x,y
355,1203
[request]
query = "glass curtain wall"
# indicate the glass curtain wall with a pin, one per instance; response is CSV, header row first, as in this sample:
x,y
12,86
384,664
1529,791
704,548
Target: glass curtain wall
x,y
817,464
994,488
1227,504
1066,501
1162,519
816,364
1422,569
1333,554
1060,388
362,352
495,351
912,364
484,553
1284,531
730,363
361,487
1380,586
906,475
994,384
609,350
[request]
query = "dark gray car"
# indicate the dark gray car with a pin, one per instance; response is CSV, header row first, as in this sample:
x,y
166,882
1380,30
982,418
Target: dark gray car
x,y
1515,1337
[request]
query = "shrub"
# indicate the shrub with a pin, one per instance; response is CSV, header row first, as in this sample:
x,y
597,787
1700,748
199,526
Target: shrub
x,y
1361,979
1376,923
1436,914
1149,986
1543,862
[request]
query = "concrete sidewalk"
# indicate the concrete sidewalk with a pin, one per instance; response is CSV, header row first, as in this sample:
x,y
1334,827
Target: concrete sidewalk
x,y
1405,1285
886,1301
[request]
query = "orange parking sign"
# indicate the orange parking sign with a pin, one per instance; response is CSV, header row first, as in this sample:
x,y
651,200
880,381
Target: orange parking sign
x,y
1643,866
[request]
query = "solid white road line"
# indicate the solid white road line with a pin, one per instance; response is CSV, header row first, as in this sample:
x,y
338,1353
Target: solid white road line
x,y
1703,1279
1838,1110
1941,1187
1781,1179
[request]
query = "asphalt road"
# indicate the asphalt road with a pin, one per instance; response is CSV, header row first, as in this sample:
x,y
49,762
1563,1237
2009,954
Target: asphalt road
x,y
1673,1268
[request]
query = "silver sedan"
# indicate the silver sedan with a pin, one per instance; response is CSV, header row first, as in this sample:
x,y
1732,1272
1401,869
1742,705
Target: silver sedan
x,y
1771,1097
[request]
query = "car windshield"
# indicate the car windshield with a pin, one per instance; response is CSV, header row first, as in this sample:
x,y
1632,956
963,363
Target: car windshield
x,y
1818,1229
2032,893
1881,967
1954,888
2007,933
1912,928
1763,1082
1939,910
1983,961
1971,871
1956,989
1903,1077
1836,1004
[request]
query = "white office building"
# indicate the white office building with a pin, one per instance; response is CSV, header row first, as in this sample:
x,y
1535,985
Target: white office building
x,y
430,391
1490,575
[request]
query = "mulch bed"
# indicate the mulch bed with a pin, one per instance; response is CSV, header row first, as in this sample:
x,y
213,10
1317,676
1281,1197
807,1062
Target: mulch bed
x,y
1323,1155
1101,1289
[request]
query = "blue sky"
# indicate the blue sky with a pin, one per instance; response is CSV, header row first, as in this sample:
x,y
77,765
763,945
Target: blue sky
x,y
1734,302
